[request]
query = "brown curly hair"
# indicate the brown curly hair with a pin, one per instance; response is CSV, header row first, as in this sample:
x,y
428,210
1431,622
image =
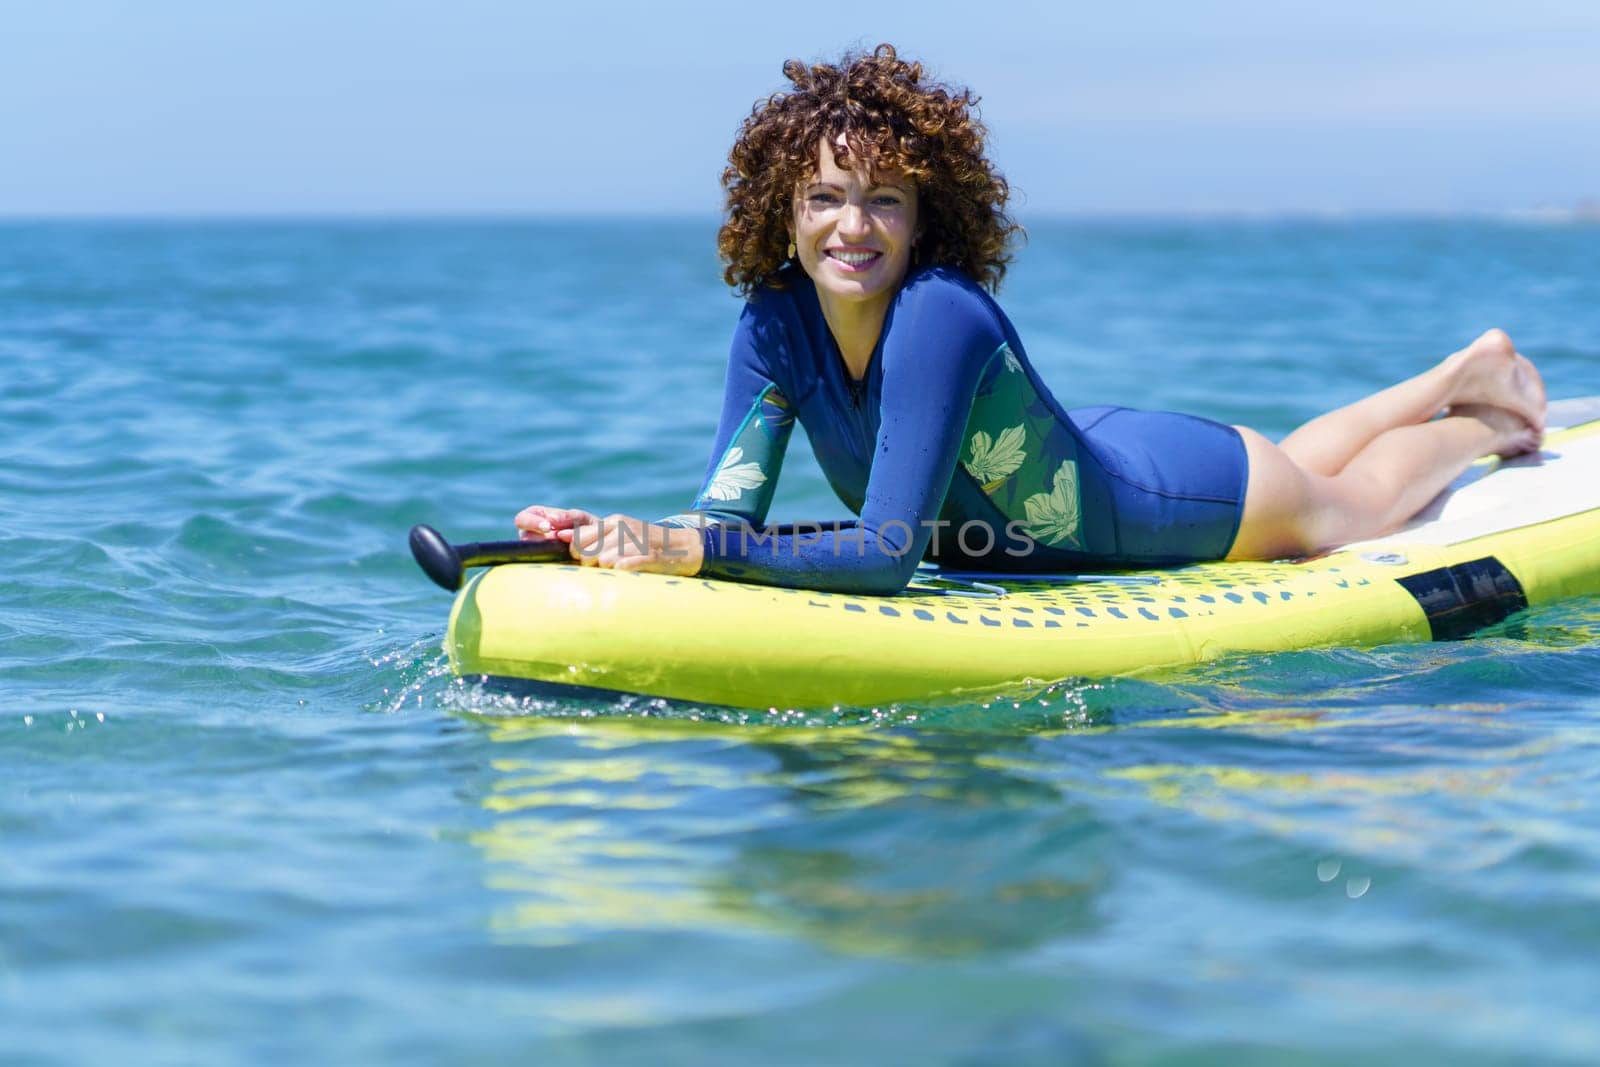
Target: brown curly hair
x,y
889,120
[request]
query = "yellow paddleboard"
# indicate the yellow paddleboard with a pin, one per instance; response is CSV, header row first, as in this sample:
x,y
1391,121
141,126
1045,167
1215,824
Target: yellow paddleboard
x,y
1504,536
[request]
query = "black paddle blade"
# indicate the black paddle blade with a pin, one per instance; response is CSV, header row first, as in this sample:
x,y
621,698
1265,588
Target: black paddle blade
x,y
436,557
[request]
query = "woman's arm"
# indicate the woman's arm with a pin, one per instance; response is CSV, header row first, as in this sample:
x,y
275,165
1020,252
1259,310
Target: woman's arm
x,y
940,336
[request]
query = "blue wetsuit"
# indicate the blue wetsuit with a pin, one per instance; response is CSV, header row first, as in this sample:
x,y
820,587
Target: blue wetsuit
x,y
949,448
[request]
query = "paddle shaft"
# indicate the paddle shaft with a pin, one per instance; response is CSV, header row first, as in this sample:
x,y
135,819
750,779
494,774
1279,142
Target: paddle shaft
x,y
446,563
490,553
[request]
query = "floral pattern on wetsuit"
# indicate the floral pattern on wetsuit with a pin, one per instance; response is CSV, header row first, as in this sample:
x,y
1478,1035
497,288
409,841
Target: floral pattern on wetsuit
x,y
740,487
733,477
1028,468
1053,517
992,460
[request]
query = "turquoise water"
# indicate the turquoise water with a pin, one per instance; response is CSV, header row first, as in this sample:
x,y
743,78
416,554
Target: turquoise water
x,y
246,814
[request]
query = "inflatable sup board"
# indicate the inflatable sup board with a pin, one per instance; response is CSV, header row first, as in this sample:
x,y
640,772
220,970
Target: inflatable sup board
x,y
1505,535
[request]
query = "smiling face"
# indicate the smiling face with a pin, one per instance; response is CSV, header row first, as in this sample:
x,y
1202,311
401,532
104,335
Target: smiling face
x,y
853,236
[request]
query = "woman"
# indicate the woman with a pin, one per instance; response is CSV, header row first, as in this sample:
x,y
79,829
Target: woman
x,y
867,229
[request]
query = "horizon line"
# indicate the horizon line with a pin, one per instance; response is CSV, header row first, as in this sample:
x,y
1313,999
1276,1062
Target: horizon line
x,y
1585,211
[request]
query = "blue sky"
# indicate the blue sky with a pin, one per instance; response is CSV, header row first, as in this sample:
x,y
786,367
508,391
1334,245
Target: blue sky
x,y
175,107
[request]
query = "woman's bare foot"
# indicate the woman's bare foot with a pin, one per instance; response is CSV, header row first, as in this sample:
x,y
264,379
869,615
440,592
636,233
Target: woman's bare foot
x,y
1490,371
1509,435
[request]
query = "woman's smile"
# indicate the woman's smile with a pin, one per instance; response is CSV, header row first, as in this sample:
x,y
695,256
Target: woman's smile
x,y
854,260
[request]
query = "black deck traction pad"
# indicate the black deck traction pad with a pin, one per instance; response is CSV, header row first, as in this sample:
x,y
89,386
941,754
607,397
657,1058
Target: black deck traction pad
x,y
1463,599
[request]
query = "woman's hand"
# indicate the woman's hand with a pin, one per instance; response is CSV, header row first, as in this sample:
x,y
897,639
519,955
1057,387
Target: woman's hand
x,y
618,541
556,523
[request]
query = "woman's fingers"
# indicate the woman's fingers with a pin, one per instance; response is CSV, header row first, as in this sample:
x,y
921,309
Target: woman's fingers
x,y
539,517
534,521
541,521
605,541
587,541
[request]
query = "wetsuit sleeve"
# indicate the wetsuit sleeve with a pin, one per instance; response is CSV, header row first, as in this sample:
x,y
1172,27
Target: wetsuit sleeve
x,y
939,337
752,435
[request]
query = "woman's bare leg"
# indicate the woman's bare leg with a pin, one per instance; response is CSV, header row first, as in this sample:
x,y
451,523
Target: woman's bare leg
x,y
1488,371
1290,510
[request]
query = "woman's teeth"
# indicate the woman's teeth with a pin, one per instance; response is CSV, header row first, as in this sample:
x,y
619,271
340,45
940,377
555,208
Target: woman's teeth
x,y
854,259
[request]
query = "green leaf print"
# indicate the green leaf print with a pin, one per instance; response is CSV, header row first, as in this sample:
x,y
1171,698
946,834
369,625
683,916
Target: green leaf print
x,y
995,460
1053,516
733,477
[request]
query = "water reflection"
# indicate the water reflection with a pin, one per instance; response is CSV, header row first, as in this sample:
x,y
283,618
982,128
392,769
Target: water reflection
x,y
867,842
1025,823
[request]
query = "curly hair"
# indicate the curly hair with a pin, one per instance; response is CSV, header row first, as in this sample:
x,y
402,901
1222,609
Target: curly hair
x,y
888,119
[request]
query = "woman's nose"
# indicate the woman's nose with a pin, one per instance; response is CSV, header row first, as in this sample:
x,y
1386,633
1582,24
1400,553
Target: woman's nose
x,y
853,220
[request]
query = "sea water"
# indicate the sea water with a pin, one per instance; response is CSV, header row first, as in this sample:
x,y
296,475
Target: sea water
x,y
247,815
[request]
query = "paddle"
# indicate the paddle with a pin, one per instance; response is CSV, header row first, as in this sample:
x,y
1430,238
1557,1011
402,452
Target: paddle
x,y
444,562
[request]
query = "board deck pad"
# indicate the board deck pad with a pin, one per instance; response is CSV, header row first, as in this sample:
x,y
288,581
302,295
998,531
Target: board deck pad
x,y
1538,487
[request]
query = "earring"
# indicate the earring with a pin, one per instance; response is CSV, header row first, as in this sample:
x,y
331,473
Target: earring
x,y
790,254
